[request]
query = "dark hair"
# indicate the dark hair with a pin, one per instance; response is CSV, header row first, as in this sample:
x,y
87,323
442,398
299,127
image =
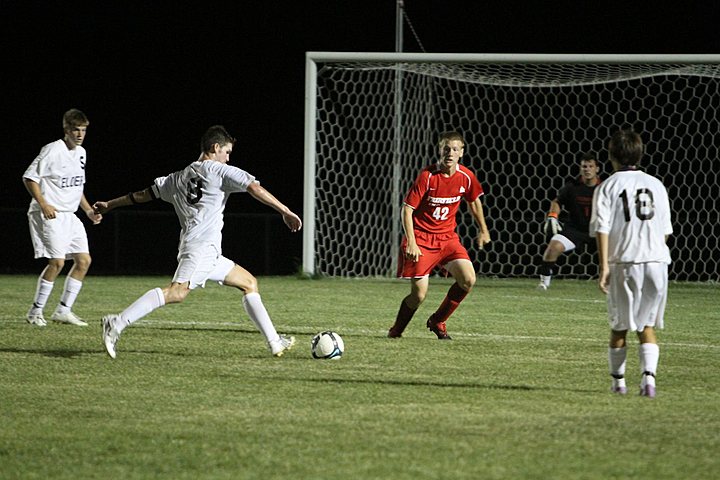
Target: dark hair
x,y
626,147
74,118
215,135
585,156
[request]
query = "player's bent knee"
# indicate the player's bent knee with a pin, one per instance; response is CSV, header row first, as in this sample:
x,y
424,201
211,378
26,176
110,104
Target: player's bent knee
x,y
240,278
56,263
83,262
176,294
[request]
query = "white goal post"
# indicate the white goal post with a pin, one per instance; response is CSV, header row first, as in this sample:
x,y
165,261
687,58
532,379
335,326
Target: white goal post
x,y
372,119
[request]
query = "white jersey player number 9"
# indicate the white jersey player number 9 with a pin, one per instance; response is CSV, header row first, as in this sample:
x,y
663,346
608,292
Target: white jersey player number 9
x,y
194,190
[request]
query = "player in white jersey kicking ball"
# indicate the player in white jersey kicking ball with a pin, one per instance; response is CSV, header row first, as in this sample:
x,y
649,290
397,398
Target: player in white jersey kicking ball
x,y
631,221
55,180
199,193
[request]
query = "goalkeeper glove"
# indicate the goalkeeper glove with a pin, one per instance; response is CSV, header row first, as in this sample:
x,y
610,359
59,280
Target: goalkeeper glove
x,y
552,226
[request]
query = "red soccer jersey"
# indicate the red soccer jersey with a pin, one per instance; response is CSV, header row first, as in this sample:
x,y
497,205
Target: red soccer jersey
x,y
436,198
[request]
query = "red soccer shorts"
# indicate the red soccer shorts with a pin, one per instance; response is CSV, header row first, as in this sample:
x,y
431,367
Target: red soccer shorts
x,y
436,249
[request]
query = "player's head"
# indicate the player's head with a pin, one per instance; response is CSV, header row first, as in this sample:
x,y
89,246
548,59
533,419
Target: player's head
x,y
451,148
215,135
589,166
75,125
625,148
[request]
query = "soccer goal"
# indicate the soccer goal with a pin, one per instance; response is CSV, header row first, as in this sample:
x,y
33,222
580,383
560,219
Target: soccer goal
x,y
372,120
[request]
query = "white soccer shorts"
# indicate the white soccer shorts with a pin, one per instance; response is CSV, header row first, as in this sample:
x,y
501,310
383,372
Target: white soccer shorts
x,y
637,296
60,237
566,243
201,265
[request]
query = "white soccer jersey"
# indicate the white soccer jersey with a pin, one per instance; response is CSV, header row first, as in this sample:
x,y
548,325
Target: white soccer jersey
x,y
632,208
61,175
199,194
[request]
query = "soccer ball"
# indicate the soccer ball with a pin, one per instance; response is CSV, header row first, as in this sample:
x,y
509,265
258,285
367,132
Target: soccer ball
x,y
326,345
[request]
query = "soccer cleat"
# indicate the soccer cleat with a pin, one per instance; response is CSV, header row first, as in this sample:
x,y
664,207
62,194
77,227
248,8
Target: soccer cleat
x,y
647,385
281,345
110,334
438,329
619,390
541,286
36,319
392,333
647,391
70,318
618,385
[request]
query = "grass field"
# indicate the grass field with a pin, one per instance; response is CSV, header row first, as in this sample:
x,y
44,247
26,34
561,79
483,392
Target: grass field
x,y
522,392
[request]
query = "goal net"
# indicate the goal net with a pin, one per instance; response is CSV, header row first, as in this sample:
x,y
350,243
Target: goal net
x,y
372,121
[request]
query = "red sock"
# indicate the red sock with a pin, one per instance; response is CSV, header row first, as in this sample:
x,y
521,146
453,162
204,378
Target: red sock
x,y
453,298
404,316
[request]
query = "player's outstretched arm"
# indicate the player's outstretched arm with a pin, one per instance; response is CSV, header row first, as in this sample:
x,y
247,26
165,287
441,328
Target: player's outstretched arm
x,y
132,198
260,194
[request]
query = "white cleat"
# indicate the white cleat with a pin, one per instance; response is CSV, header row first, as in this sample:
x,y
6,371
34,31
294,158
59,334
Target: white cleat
x,y
281,345
70,318
542,287
110,334
36,319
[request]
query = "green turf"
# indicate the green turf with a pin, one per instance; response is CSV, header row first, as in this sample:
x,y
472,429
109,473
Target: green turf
x,y
522,392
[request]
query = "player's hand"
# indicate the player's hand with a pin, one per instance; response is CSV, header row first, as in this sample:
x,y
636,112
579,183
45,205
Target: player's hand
x,y
94,216
101,207
603,280
48,211
412,252
292,221
483,239
552,226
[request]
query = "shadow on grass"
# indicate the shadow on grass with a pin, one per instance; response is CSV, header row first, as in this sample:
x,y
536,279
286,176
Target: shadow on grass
x,y
431,383
59,353
426,383
73,354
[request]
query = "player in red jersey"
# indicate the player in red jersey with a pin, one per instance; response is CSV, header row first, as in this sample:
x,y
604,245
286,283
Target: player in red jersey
x,y
428,216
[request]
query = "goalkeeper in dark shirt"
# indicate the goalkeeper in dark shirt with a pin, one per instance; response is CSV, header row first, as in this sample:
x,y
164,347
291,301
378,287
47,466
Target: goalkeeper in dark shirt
x,y
576,199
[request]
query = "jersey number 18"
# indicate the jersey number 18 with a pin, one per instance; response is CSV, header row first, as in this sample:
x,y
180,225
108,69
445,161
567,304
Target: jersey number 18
x,y
644,205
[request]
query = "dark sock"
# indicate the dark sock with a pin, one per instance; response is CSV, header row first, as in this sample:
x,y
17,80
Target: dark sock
x,y
404,316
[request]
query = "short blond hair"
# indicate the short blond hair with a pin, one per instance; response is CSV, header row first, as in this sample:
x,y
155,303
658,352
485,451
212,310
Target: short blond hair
x,y
447,137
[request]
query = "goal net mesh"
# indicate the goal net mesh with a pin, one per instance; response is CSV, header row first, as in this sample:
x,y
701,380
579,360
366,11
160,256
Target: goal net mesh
x,y
524,125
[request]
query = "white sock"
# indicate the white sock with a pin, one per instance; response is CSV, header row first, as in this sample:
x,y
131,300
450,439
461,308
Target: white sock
x,y
616,361
70,293
649,355
151,300
258,314
42,293
545,280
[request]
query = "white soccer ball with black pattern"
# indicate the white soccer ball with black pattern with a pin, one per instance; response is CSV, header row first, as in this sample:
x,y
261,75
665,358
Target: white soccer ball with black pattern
x,y
327,345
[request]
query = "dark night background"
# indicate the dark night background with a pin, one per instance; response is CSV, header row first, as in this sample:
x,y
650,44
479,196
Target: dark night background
x,y
152,76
